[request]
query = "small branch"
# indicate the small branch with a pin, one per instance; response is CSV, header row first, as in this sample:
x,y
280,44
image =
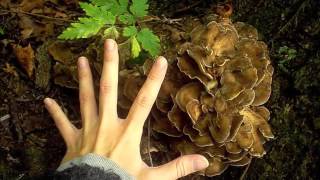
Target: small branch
x,y
37,15
149,134
294,17
245,171
5,13
125,42
187,7
164,20
5,117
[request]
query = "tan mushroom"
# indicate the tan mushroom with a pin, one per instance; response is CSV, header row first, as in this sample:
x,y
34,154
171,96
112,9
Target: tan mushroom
x,y
162,124
244,161
233,148
220,126
177,117
194,110
187,93
216,167
201,141
263,90
211,99
233,83
259,125
246,31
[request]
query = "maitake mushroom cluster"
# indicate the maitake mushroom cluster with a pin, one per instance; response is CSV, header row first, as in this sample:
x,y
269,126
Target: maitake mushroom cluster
x,y
211,101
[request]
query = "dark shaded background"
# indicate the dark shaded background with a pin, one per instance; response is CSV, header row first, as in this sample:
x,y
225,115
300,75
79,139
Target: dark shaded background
x,y
30,143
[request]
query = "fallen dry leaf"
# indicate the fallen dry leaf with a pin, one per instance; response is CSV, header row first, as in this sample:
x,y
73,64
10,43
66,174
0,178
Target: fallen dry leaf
x,y
28,5
62,53
60,15
5,3
30,28
68,2
10,69
25,57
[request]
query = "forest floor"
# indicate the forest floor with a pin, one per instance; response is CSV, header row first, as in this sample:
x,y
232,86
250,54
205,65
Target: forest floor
x,y
30,143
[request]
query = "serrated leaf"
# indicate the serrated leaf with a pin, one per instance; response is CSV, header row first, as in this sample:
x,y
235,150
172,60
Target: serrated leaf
x,y
139,8
129,31
119,7
107,18
149,41
111,32
124,3
127,18
106,3
90,9
99,13
86,27
135,47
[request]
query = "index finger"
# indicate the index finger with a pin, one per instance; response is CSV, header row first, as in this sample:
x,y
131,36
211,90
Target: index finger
x,y
146,97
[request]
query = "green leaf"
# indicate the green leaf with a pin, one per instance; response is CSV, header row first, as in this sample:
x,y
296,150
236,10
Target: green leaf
x,y
119,7
90,9
139,8
149,41
129,31
135,47
127,18
1,31
99,13
86,27
106,3
139,60
283,49
111,32
107,18
124,3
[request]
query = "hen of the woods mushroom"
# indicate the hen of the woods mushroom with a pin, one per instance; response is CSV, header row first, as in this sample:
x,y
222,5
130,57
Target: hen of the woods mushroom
x,y
211,101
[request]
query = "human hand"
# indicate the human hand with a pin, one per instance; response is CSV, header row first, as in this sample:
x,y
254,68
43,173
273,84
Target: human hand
x,y
105,134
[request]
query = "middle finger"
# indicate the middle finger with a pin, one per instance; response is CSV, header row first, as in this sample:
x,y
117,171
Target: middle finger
x,y
109,83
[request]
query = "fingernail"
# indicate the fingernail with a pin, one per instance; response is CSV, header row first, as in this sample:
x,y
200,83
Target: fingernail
x,y
47,101
109,44
161,62
200,163
82,62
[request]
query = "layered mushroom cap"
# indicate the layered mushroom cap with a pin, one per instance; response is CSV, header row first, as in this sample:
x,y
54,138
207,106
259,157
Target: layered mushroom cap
x,y
211,101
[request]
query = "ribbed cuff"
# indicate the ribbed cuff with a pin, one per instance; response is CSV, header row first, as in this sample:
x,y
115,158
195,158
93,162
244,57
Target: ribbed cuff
x,y
95,160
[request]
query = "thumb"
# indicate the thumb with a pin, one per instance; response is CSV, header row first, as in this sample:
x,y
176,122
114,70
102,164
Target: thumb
x,y
180,167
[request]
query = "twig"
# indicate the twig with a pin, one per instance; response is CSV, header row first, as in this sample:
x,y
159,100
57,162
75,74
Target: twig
x,y
245,171
2,14
187,7
15,120
125,42
37,15
149,133
164,20
5,117
294,17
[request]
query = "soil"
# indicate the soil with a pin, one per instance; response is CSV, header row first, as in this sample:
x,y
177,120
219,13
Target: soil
x,y
30,144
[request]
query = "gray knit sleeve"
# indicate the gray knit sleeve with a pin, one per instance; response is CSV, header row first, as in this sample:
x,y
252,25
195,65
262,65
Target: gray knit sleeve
x,y
95,160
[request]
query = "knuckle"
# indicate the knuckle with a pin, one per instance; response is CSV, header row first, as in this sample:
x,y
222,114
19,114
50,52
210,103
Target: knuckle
x,y
84,97
105,87
143,101
111,57
83,74
154,76
181,169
